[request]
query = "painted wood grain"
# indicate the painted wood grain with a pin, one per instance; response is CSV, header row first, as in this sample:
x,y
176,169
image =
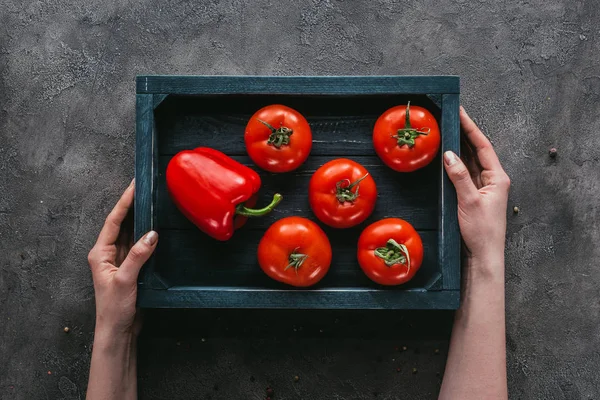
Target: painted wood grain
x,y
228,297
192,258
449,233
146,160
318,85
144,165
340,125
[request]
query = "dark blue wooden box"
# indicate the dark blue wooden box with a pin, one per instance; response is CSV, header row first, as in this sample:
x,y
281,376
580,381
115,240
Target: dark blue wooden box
x,y
189,269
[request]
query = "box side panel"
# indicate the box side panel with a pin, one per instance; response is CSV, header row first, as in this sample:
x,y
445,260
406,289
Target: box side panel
x,y
449,234
145,174
320,85
185,297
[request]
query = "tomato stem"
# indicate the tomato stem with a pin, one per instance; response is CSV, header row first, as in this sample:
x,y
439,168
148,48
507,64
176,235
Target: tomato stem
x,y
407,135
278,137
296,260
344,193
251,212
393,253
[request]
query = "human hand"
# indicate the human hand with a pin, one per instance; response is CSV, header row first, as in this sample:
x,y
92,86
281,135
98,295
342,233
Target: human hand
x,y
476,365
115,266
482,189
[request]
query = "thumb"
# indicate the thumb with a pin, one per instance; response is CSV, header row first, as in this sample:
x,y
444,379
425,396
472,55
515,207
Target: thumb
x,y
137,256
458,173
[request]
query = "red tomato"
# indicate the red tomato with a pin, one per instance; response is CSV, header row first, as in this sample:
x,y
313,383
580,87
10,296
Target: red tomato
x,y
390,251
295,251
406,138
278,138
342,193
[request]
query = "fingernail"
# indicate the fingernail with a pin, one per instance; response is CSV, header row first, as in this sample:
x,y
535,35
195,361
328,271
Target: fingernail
x,y
132,182
151,238
450,158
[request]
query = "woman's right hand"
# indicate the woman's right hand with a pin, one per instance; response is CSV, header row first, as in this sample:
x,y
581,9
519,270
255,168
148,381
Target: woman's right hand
x,y
482,190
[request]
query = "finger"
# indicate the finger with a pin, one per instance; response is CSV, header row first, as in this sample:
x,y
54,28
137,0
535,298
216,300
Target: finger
x,y
140,253
467,154
458,173
475,172
138,322
112,225
484,149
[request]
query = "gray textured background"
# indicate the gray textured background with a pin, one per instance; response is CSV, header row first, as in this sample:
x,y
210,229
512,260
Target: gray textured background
x,y
530,76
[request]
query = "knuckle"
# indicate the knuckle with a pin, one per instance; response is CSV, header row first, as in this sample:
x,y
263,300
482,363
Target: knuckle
x,y
121,280
504,181
472,202
462,174
136,253
110,220
475,201
139,252
92,257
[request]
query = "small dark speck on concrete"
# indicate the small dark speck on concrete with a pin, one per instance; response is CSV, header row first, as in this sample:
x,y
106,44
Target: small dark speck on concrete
x,y
252,378
553,152
216,387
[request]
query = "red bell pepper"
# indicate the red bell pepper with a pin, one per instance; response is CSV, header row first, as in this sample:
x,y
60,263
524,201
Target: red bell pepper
x,y
214,191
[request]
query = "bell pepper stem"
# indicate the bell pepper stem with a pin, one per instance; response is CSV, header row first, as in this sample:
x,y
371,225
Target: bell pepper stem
x,y
252,212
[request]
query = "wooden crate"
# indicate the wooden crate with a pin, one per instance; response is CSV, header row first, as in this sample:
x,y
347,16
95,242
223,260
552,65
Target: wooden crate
x,y
189,269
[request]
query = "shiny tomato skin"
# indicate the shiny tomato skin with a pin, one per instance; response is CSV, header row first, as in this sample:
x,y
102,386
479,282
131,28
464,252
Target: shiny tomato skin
x,y
376,235
324,202
403,158
287,157
300,236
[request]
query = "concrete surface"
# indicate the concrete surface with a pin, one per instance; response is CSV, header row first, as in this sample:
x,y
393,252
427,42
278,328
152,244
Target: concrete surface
x,y
530,76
